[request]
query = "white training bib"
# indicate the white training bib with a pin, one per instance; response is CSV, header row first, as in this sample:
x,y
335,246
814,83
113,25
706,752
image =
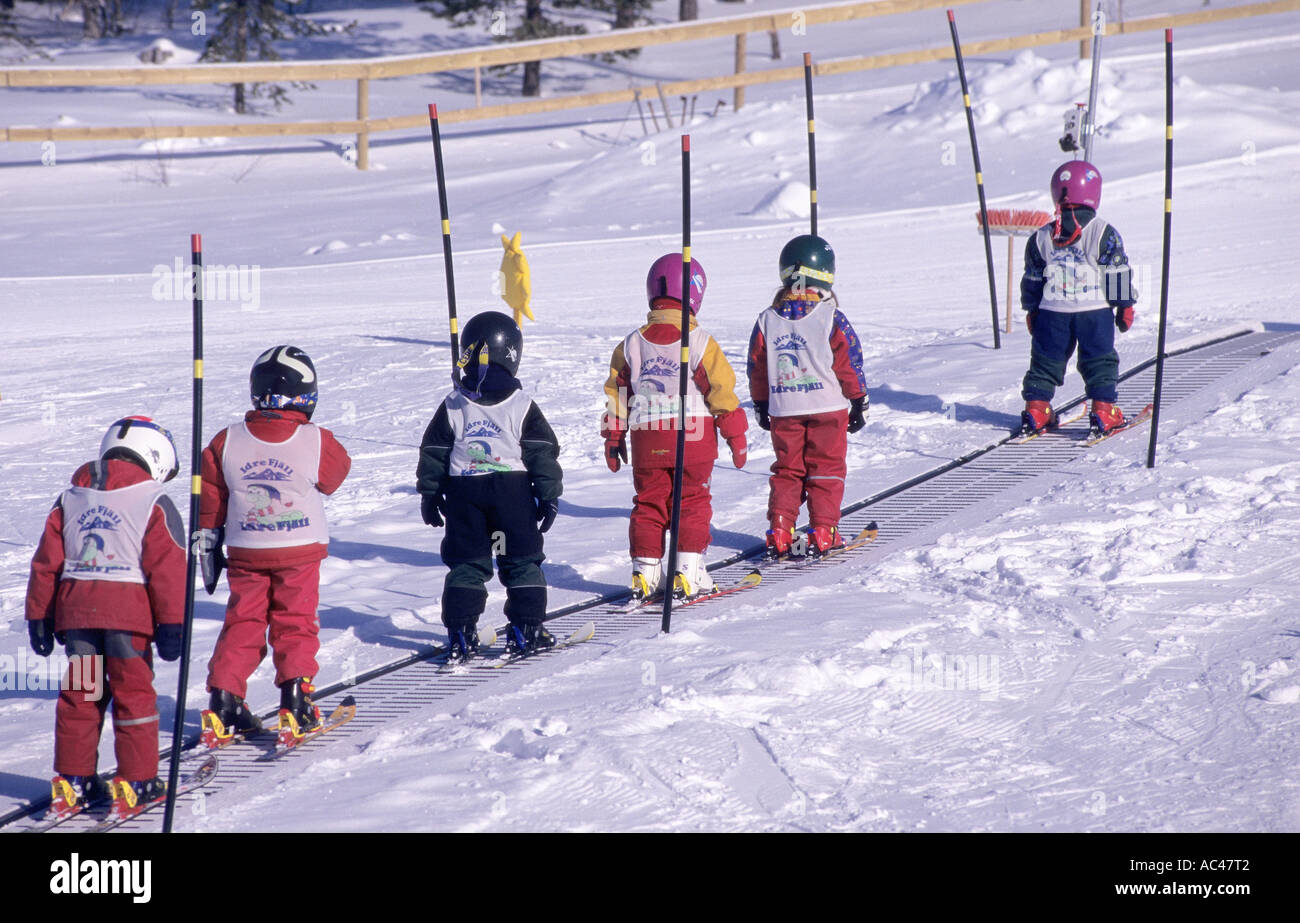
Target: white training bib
x,y
103,531
655,375
273,500
1072,278
800,363
487,437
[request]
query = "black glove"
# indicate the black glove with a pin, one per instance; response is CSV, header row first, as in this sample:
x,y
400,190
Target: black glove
x,y
432,508
764,421
547,510
167,638
857,414
211,558
41,634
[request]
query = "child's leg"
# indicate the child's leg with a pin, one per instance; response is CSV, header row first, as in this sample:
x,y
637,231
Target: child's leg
x,y
1053,344
697,508
649,519
295,623
242,643
825,455
467,550
129,666
83,698
786,485
464,593
1098,360
525,588
518,551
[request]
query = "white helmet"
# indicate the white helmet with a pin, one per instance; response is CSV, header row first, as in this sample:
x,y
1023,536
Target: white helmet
x,y
145,440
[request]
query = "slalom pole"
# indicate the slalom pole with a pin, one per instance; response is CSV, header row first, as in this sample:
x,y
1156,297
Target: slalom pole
x,y
1164,262
812,142
1090,114
683,377
446,238
979,179
191,558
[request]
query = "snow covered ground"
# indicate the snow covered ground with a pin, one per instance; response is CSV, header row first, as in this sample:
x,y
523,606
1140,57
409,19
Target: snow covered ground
x,y
1134,628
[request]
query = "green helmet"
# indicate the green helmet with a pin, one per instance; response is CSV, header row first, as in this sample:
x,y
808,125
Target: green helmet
x,y
808,262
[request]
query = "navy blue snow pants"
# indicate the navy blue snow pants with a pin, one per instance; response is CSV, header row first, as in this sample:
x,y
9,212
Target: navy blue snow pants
x,y
1056,334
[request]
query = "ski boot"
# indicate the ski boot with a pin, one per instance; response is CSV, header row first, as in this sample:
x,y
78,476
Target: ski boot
x,y
1105,418
692,578
647,578
462,644
1037,416
73,794
779,539
527,639
226,718
822,539
299,715
130,798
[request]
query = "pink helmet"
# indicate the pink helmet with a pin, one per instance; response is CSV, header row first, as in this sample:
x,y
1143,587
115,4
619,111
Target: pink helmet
x,y
1077,183
665,280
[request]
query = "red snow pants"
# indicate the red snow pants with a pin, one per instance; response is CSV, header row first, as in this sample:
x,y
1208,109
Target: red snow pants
x,y
107,666
282,600
811,454
652,509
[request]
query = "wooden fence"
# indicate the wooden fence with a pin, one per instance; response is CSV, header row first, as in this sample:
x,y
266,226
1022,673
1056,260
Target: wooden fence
x,y
365,70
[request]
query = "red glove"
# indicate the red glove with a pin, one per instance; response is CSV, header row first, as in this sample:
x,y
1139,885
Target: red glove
x,y
1124,318
739,450
1029,321
615,436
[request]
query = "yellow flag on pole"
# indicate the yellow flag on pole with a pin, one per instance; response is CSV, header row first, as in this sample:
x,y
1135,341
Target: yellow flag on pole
x,y
517,286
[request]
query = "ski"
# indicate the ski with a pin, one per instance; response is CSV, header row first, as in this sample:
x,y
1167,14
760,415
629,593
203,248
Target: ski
x,y
750,580
1020,437
1142,417
584,633
287,741
199,777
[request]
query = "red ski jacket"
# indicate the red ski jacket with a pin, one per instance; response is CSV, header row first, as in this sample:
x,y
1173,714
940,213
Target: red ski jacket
x,y
269,426
110,604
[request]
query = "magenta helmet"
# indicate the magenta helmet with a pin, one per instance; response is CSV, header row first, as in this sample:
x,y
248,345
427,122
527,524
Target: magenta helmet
x,y
1077,183
665,280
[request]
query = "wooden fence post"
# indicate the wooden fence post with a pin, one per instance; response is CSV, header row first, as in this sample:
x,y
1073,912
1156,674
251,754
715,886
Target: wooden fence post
x,y
738,99
363,113
1085,22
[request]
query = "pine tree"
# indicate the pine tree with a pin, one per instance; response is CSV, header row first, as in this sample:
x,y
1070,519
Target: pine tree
x,y
247,31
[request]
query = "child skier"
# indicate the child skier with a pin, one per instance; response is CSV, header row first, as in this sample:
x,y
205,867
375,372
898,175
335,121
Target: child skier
x,y
489,471
1077,283
263,486
806,381
108,577
642,395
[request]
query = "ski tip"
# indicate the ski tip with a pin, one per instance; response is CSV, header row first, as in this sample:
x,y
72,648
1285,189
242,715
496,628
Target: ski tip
x,y
872,527
348,701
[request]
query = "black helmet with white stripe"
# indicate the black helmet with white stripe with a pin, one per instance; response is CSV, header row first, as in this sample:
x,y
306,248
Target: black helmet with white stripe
x,y
283,377
491,338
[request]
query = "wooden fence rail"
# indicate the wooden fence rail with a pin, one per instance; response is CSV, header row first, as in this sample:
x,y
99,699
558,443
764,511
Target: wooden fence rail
x,y
365,70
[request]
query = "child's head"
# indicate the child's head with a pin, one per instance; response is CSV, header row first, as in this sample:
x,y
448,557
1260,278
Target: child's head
x,y
1076,182
283,377
807,262
665,281
491,338
144,442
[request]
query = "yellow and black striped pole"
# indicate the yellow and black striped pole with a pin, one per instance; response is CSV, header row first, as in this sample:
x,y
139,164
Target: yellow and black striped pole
x,y
446,238
191,556
1164,262
812,142
683,380
979,179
